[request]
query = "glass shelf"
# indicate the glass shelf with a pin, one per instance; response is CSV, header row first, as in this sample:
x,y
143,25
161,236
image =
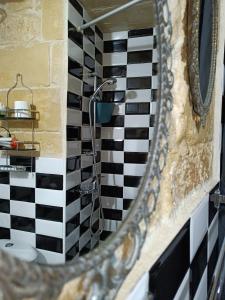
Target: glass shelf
x,y
10,168
18,115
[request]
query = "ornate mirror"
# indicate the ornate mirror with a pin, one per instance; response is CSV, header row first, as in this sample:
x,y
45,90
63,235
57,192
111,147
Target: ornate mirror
x,y
202,46
112,180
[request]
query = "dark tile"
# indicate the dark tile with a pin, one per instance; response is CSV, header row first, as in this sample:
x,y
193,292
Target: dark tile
x,y
136,133
112,214
112,168
132,181
85,118
98,31
86,173
74,68
171,267
116,121
105,234
98,156
73,164
135,157
114,71
115,46
139,57
113,96
4,177
84,226
72,252
86,249
5,206
88,90
155,70
75,36
155,95
98,81
74,101
136,83
77,6
22,193
112,145
112,191
155,43
89,62
72,224
22,223
49,181
127,203
4,233
98,132
137,108
212,210
72,195
198,266
96,204
212,265
98,56
50,213
152,121
49,243
73,133
140,32
28,162
86,147
90,34
85,200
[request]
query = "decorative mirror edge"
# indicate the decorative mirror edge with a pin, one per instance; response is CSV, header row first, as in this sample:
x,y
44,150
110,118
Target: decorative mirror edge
x,y
101,270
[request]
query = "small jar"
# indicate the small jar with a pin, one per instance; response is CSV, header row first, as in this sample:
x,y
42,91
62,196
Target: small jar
x,y
2,110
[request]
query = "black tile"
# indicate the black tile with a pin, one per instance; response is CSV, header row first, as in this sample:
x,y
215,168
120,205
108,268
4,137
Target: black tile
x,y
4,233
212,265
89,62
170,269
127,203
132,181
72,195
155,69
139,57
28,162
49,181
90,34
49,243
98,132
98,156
112,191
5,206
73,133
22,223
135,157
112,168
74,68
112,214
85,249
114,71
50,213
4,177
105,234
97,204
84,226
137,108
22,193
72,252
140,32
85,118
75,36
74,101
98,56
155,44
136,133
85,200
155,95
198,266
136,83
152,120
73,163
86,173
86,147
72,224
113,96
116,121
77,6
98,31
115,46
112,145
88,90
212,210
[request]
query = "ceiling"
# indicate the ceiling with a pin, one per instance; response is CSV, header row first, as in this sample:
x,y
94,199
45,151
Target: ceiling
x,y
140,15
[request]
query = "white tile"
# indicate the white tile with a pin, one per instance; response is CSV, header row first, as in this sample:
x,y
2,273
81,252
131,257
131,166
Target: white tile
x,y
85,104
155,82
115,58
22,236
155,56
212,235
151,132
112,133
85,133
75,52
84,239
198,226
72,209
119,35
137,121
134,169
112,156
98,69
5,220
4,191
50,197
140,43
112,179
138,96
74,117
86,161
111,225
136,146
112,203
201,293
183,292
50,165
139,70
119,109
130,192
89,47
49,228
74,85
140,290
24,179
99,43
85,213
71,239
153,108
22,209
73,148
74,17
73,179
50,258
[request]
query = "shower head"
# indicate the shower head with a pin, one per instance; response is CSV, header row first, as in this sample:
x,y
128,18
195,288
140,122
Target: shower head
x,y
109,81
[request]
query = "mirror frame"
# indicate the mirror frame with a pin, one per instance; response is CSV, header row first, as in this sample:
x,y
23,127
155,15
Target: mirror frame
x,y
104,269
200,107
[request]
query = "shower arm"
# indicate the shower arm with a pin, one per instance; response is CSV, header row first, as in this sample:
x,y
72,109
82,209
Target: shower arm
x,y
107,15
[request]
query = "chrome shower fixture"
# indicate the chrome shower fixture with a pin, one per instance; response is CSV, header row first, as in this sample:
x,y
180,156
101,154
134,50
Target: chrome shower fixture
x,y
109,81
